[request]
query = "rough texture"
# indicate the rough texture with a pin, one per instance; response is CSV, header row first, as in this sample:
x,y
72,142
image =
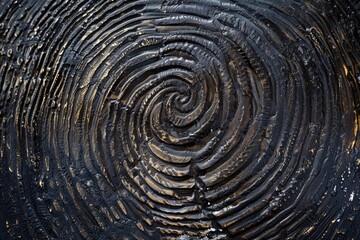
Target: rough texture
x,y
179,119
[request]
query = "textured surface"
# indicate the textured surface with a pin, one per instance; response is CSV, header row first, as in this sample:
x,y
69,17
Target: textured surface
x,y
179,119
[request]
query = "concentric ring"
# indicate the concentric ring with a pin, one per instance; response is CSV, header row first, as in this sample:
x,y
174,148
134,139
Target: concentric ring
x,y
179,119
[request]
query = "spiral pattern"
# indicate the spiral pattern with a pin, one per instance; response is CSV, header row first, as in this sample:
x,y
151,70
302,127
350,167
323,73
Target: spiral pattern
x,y
175,119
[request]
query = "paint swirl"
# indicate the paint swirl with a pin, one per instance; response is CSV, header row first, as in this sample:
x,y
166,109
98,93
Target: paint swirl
x,y
193,119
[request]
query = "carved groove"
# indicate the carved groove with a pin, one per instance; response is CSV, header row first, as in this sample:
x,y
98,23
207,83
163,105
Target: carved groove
x,y
179,119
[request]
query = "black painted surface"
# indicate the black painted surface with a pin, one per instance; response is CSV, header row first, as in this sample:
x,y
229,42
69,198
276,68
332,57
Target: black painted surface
x,y
179,119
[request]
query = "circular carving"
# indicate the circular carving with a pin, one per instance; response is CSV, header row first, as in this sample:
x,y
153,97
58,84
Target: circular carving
x,y
179,119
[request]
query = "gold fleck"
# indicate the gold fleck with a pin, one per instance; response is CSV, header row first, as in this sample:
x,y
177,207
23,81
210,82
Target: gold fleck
x,y
358,161
346,70
140,226
121,205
